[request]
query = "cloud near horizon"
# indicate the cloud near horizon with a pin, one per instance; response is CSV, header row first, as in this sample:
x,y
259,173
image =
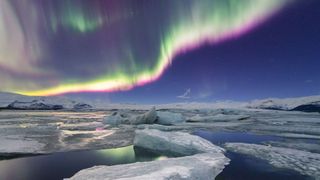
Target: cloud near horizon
x,y
185,95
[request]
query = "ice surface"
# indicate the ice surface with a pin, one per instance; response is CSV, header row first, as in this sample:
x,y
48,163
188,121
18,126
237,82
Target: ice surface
x,y
173,142
304,162
47,132
127,117
218,117
207,162
201,166
169,118
297,144
16,144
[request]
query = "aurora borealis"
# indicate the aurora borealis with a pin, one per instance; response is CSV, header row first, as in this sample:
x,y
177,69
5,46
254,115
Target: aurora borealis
x,y
62,46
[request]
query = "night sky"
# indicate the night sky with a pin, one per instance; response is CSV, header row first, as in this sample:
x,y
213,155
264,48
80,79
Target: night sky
x,y
161,51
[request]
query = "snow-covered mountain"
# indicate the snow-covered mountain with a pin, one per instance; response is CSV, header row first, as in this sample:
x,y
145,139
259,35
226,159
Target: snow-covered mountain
x,y
17,101
286,103
34,105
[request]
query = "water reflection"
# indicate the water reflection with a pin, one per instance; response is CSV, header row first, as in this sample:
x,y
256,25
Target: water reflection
x,y
62,165
243,167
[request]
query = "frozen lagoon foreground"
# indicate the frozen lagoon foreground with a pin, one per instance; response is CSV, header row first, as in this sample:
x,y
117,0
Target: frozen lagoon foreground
x,y
54,131
206,164
36,132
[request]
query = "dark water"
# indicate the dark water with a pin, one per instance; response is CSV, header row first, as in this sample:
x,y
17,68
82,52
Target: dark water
x,y
63,165
223,137
244,167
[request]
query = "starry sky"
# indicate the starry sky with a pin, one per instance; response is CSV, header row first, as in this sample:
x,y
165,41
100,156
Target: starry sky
x,y
149,51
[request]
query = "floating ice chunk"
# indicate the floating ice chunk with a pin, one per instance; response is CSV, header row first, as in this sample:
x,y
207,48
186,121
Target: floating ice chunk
x,y
173,142
218,117
201,166
169,118
123,117
19,144
306,163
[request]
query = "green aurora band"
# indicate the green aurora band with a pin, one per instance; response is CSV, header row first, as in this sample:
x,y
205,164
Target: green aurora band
x,y
135,43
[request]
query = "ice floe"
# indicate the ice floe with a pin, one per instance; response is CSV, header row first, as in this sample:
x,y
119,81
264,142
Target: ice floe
x,y
173,142
200,166
304,162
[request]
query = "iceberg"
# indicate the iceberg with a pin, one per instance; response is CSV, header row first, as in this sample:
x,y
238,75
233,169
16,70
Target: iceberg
x,y
179,143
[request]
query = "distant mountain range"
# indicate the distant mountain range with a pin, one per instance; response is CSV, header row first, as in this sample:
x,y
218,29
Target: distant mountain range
x,y
16,101
307,104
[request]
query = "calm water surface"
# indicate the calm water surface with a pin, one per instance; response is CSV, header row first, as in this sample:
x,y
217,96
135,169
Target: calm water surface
x,y
63,165
244,167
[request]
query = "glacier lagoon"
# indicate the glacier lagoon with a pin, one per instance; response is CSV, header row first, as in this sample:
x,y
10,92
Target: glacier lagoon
x,y
46,139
